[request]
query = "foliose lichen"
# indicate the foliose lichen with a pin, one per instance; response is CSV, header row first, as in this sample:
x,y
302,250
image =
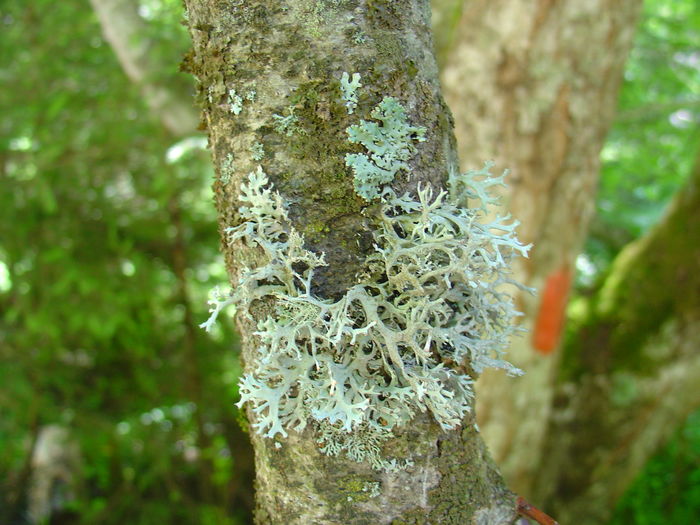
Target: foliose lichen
x,y
348,88
228,168
257,151
235,102
389,143
287,125
427,314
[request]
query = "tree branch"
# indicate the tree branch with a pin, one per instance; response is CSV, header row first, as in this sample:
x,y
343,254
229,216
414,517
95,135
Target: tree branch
x,y
529,511
126,32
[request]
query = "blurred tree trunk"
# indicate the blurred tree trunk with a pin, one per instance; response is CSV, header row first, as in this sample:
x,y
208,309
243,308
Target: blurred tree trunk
x,y
258,64
534,87
631,373
127,34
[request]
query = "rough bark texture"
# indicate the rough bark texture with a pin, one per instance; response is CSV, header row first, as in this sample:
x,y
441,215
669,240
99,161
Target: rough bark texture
x,y
632,374
533,85
291,54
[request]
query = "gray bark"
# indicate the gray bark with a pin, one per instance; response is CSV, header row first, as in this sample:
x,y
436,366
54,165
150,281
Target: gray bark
x,y
291,54
533,85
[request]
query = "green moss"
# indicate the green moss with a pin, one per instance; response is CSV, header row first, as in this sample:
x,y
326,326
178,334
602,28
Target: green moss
x,y
354,489
325,181
242,421
387,14
461,479
314,229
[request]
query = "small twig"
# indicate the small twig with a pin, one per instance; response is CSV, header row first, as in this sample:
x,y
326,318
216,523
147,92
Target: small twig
x,y
529,511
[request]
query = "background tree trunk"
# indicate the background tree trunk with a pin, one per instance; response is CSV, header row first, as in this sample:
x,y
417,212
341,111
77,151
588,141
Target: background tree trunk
x,y
285,58
535,90
631,373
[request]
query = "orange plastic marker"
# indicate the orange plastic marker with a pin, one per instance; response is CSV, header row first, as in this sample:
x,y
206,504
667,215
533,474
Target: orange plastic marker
x,y
550,318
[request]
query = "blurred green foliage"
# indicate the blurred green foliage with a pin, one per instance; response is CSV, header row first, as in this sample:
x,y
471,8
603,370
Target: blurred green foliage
x,y
649,153
669,489
108,247
655,138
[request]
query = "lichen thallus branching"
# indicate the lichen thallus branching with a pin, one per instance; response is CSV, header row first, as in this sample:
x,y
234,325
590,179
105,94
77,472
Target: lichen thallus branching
x,y
394,345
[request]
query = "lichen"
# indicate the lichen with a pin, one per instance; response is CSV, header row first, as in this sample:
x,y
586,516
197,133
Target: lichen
x,y
287,125
357,489
427,314
348,88
235,102
228,169
389,143
386,350
257,151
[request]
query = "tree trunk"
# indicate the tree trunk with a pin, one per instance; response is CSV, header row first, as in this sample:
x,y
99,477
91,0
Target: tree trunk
x,y
631,374
535,89
269,82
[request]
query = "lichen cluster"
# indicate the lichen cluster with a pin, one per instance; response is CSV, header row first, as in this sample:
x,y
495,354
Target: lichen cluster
x,y
427,313
389,143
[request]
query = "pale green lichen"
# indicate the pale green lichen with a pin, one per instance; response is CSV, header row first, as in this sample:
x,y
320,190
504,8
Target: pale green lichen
x,y
387,350
372,488
389,143
235,102
287,125
364,443
429,306
228,169
348,88
359,37
257,151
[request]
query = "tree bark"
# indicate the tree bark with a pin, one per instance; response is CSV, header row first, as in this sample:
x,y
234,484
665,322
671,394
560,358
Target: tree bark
x,y
269,85
631,375
535,89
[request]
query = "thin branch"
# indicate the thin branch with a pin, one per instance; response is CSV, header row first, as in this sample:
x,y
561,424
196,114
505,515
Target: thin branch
x,y
529,511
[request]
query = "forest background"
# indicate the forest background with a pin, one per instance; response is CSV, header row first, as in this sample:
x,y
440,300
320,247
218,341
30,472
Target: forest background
x,y
114,406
